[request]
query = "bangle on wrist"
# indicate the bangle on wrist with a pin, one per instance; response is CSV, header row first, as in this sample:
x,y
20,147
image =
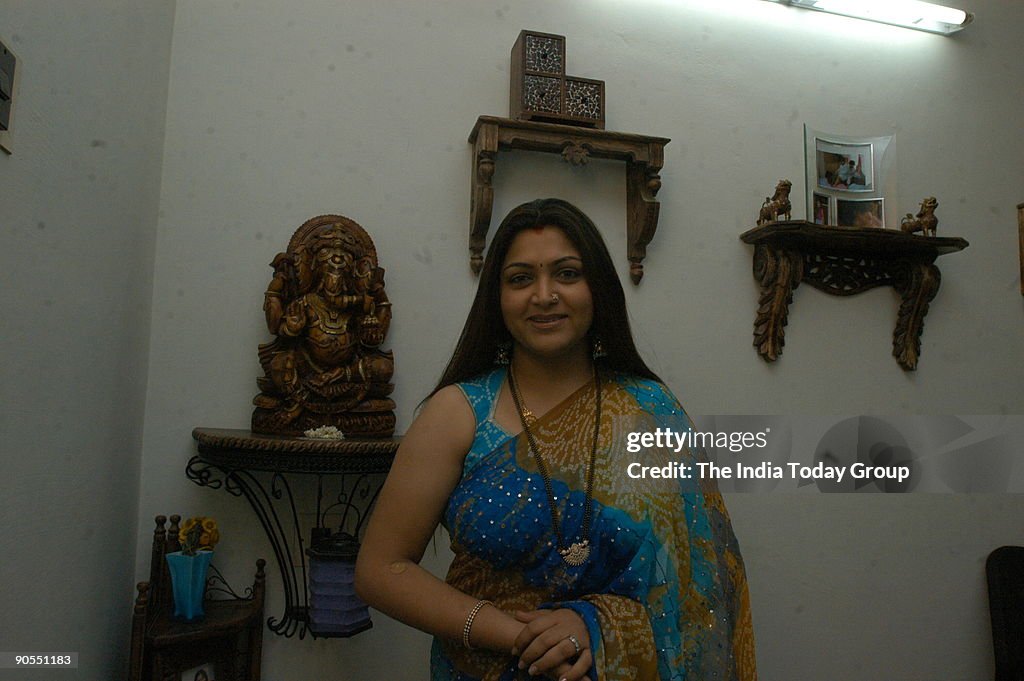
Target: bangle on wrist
x,y
468,626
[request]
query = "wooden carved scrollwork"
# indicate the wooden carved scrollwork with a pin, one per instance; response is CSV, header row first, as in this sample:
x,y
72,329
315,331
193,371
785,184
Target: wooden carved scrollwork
x,y
778,272
845,275
485,148
575,154
642,185
917,283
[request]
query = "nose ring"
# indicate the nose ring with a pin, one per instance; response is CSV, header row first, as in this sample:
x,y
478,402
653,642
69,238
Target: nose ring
x,y
554,298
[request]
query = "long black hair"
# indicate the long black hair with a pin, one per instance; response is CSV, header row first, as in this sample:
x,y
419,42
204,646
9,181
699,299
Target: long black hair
x,y
485,328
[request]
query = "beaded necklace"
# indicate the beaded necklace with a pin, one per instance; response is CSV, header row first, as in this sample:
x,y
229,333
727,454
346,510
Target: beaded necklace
x,y
578,552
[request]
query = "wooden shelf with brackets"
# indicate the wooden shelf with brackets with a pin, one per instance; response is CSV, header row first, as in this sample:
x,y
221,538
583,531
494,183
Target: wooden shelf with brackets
x,y
642,155
844,261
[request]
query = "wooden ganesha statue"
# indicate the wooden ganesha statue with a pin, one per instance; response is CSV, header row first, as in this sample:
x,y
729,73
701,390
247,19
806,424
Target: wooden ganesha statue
x,y
329,314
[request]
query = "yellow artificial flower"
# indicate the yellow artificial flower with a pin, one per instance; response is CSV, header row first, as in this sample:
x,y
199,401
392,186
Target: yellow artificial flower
x,y
198,533
185,528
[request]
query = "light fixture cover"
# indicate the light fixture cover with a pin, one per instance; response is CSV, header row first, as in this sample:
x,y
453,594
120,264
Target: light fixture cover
x,y
916,14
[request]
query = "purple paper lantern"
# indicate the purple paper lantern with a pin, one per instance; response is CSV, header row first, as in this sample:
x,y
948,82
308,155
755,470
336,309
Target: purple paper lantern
x,y
334,608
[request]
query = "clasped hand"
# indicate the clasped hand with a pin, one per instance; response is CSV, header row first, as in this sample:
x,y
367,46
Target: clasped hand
x,y
543,645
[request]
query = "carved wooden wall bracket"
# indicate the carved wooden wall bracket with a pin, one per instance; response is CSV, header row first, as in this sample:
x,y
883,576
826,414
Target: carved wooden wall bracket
x,y
643,156
844,261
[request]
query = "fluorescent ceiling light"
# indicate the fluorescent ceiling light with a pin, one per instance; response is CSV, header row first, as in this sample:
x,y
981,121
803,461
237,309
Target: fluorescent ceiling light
x,y
923,16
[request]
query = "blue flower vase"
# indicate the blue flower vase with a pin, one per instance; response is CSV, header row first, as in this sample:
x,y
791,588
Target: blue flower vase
x,y
188,579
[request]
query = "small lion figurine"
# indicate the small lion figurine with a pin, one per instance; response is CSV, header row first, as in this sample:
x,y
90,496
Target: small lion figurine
x,y
777,205
925,222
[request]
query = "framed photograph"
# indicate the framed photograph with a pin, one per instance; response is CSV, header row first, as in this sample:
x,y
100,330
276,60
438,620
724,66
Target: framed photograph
x,y
823,213
201,673
844,167
860,213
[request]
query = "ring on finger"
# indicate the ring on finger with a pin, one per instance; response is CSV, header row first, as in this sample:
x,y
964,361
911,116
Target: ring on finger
x,y
576,644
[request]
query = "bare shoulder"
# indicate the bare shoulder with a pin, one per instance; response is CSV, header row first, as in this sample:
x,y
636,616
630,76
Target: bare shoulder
x,y
451,400
426,469
445,427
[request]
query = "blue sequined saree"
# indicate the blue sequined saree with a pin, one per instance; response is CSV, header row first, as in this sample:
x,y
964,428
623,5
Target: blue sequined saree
x,y
663,594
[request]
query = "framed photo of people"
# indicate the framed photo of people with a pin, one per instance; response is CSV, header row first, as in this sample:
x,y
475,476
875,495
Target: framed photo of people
x,y
846,167
822,210
860,213
846,178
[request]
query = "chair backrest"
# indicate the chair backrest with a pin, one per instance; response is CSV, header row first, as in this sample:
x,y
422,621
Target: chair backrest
x,y
165,540
154,596
1005,572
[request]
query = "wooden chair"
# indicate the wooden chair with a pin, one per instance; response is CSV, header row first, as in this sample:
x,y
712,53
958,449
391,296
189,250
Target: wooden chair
x,y
229,638
1005,571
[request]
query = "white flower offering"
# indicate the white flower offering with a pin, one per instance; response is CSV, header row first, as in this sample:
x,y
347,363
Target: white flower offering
x,y
325,433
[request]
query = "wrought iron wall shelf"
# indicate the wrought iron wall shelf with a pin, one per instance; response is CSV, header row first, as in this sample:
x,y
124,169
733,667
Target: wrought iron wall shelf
x,y
260,467
844,261
643,156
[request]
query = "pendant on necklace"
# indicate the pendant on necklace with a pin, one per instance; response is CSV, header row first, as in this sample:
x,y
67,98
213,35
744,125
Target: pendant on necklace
x,y
577,553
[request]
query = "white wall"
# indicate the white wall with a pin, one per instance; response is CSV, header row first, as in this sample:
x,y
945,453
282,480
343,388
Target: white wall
x,y
78,214
277,112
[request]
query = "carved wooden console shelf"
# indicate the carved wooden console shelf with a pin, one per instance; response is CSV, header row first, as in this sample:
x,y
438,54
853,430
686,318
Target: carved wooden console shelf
x,y
263,469
843,261
643,155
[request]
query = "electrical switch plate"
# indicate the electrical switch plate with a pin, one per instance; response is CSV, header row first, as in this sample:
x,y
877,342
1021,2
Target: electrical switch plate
x,y
8,89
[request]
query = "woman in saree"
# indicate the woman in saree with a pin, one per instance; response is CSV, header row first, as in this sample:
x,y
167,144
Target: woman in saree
x,y
565,566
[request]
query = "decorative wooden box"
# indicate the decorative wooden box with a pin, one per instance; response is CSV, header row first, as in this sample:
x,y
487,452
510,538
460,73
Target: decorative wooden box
x,y
540,90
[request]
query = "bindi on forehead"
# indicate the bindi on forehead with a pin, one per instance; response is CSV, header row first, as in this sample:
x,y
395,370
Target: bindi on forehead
x,y
540,248
542,265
